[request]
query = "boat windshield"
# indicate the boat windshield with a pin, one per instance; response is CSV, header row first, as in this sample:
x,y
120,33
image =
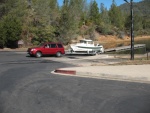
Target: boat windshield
x,y
90,42
82,41
86,42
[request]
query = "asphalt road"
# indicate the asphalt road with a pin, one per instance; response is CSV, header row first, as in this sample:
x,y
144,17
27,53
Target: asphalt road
x,y
27,86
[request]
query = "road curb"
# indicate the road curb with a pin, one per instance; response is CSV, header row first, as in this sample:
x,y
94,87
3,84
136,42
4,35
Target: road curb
x,y
102,76
114,77
62,71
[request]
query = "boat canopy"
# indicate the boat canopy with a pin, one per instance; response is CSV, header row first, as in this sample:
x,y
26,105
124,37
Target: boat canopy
x,y
85,41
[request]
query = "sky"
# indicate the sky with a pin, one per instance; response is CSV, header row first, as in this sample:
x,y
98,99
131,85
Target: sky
x,y
107,3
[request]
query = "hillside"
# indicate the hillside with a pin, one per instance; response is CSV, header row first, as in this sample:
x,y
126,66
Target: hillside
x,y
46,21
110,41
113,41
141,8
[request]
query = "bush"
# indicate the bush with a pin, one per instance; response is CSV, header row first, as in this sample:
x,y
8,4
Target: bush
x,y
2,40
10,30
105,30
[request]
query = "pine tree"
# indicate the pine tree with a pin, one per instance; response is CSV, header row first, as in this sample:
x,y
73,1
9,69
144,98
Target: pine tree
x,y
104,14
11,21
70,18
104,27
94,13
116,16
10,30
39,23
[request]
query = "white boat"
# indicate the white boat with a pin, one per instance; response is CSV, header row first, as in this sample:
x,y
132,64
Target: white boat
x,y
88,46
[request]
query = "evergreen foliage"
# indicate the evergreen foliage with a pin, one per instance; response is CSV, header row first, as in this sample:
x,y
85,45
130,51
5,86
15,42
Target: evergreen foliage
x,y
141,12
10,30
69,20
36,21
116,16
94,13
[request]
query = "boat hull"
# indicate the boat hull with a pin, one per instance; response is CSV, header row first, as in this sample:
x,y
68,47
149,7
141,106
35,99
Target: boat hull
x,y
88,46
96,49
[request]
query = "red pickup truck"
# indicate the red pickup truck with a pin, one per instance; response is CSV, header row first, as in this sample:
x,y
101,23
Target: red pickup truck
x,y
49,48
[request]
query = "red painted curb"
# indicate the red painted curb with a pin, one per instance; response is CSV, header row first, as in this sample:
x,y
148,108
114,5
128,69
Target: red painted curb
x,y
72,72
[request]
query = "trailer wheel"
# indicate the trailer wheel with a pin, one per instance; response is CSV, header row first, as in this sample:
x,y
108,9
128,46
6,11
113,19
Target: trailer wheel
x,y
58,54
98,53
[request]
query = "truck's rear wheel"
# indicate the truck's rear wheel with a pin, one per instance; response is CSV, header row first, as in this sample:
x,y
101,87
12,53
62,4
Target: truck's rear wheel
x,y
58,54
38,54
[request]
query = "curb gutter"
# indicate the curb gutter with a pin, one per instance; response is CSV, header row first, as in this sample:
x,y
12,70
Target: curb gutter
x,y
103,76
71,72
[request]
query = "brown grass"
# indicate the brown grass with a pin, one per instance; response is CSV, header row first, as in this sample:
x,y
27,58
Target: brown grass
x,y
109,41
110,38
134,62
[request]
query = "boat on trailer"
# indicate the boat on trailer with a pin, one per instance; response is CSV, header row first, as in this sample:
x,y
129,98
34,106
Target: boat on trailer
x,y
86,46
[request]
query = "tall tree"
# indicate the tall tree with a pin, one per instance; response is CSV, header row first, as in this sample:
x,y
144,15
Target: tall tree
x,y
105,25
104,14
2,35
10,30
11,20
94,12
116,16
40,20
138,25
70,17
6,6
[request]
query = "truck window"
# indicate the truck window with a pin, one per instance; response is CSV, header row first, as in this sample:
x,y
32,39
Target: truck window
x,y
52,45
60,46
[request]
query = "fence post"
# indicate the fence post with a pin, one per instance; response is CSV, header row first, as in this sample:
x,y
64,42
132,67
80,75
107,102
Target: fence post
x,y
147,55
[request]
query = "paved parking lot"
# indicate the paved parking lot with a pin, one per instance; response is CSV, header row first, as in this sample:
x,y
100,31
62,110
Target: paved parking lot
x,y
84,60
28,86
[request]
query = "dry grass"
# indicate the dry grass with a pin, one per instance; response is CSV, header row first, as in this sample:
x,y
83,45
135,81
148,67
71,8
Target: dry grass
x,y
110,38
128,62
109,41
135,62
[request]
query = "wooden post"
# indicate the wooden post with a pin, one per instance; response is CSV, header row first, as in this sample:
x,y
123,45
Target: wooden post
x,y
147,56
